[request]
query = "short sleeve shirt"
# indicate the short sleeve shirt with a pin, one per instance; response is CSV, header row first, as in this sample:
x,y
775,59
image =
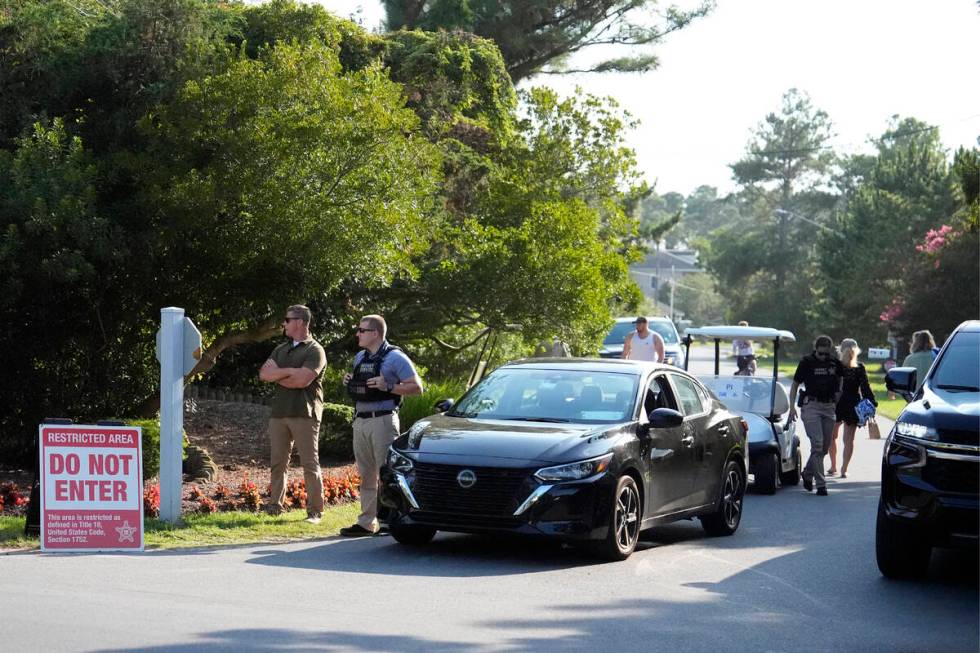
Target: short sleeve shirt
x,y
820,377
300,402
395,367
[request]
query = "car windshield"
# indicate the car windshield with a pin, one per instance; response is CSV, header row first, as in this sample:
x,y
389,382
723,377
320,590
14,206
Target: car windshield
x,y
621,329
516,393
959,368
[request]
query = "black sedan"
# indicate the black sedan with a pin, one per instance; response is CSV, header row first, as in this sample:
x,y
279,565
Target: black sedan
x,y
587,451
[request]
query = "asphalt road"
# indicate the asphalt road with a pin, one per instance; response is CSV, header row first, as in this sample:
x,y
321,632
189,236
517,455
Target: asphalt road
x,y
799,575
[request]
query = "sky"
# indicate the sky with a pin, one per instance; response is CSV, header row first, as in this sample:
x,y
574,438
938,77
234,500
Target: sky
x,y
861,61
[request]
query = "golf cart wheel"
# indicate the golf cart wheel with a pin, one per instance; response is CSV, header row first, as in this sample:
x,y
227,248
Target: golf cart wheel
x,y
767,473
792,477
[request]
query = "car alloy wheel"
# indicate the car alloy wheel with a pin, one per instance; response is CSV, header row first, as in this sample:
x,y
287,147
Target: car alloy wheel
x,y
624,523
627,517
727,516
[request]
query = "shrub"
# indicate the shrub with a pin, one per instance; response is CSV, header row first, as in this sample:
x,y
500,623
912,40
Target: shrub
x,y
296,493
415,407
338,489
249,493
335,432
221,492
206,505
151,501
151,444
195,493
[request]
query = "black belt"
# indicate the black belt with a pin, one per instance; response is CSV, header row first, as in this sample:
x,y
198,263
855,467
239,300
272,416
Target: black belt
x,y
820,401
374,413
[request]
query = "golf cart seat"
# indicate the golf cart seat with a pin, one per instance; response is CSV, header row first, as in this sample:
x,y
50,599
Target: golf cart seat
x,y
781,404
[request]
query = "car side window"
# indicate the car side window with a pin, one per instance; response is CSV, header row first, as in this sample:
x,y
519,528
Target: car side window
x,y
658,395
687,393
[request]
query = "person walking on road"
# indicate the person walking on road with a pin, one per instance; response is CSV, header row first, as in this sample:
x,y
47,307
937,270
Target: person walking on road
x,y
923,353
643,344
380,376
855,388
296,367
822,377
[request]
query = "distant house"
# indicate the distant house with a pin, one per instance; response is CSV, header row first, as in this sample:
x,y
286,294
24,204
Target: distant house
x,y
661,265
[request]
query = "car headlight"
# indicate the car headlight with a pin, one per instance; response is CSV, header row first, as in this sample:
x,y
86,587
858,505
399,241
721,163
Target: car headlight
x,y
919,431
575,471
669,359
398,462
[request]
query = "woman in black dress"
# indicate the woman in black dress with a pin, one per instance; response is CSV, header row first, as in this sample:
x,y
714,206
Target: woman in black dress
x,y
856,387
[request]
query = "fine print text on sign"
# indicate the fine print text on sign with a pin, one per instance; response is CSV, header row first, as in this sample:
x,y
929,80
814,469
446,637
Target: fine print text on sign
x,y
91,488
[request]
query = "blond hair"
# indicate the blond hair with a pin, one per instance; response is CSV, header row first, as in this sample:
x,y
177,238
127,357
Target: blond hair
x,y
849,351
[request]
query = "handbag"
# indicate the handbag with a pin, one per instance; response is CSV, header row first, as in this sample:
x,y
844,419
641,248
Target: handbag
x,y
873,431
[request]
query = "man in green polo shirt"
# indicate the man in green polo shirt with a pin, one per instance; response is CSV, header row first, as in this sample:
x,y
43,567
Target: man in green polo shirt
x,y
296,367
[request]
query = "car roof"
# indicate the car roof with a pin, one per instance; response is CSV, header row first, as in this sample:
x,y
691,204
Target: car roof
x,y
623,320
972,326
730,332
589,364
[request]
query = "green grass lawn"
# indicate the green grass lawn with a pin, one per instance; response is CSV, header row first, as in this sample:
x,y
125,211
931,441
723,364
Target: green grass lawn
x,y
218,528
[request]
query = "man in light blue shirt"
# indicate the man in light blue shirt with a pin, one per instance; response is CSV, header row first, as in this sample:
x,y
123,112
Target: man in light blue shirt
x,y
380,376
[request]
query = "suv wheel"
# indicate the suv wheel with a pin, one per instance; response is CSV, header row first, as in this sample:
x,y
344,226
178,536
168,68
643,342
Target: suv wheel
x,y
767,473
901,552
725,520
792,477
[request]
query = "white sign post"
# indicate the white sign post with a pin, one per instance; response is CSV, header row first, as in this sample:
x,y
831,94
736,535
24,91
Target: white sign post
x,y
178,350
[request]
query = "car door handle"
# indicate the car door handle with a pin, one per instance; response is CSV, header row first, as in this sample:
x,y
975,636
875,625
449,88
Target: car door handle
x,y
687,441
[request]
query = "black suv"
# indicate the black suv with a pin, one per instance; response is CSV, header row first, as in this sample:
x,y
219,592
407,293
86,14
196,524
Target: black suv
x,y
930,472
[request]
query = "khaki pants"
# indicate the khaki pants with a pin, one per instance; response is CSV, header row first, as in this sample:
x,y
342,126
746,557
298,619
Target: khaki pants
x,y
305,431
818,420
372,437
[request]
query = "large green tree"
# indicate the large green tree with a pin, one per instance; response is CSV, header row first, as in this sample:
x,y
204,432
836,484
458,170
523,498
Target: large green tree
x,y
763,258
541,35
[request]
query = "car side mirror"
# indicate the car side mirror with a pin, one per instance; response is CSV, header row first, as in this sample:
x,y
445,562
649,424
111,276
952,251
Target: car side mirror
x,y
901,380
444,404
665,418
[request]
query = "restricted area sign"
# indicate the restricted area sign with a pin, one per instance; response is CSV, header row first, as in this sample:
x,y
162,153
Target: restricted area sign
x,y
91,488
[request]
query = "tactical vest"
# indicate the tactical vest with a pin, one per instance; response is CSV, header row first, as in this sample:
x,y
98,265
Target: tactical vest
x,y
823,379
368,367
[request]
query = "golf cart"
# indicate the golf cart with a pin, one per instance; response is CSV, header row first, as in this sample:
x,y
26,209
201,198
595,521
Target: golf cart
x,y
774,447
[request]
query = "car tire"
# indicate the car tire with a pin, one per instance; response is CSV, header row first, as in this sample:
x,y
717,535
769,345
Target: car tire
x,y
625,514
767,473
901,553
412,535
727,517
792,477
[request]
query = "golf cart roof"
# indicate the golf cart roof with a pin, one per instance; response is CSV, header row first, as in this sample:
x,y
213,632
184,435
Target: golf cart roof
x,y
731,332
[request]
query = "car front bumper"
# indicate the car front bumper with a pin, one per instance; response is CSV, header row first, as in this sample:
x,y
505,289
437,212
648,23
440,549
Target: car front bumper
x,y
933,492
430,496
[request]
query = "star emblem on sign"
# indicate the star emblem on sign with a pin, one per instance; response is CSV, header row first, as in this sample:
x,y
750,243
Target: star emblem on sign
x,y
126,532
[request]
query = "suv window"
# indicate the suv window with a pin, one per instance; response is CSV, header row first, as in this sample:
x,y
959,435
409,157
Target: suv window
x,y
688,395
959,368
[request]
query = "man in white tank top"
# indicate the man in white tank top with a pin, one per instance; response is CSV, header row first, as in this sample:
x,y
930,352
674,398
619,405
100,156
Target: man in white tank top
x,y
643,344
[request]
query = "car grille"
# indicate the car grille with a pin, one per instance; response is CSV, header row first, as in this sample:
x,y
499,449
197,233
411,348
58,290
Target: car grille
x,y
436,489
464,521
951,436
952,475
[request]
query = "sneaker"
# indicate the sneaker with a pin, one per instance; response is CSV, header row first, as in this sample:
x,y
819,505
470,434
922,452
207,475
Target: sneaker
x,y
821,491
355,531
832,472
808,484
313,519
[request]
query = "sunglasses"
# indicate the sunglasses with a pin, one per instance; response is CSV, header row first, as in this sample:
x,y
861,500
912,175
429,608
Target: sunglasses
x,y
360,330
287,319
822,354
